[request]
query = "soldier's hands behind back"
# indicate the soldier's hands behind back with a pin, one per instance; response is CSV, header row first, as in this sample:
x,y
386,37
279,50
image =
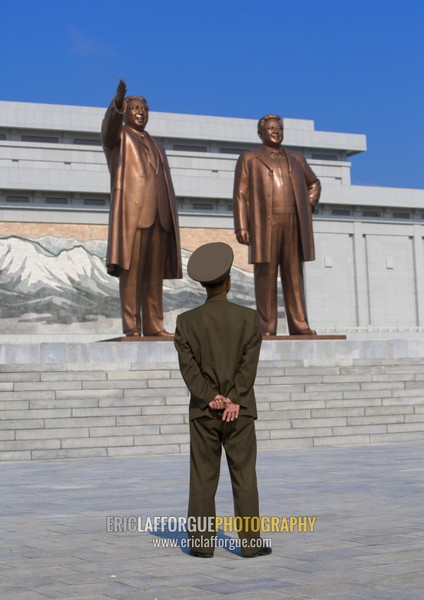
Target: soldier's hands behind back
x,y
231,412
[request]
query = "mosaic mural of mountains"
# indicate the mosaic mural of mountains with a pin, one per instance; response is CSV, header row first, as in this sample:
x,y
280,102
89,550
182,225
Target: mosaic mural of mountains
x,y
60,280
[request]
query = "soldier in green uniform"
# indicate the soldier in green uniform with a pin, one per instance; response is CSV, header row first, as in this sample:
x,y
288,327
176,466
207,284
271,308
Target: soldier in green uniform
x,y
218,345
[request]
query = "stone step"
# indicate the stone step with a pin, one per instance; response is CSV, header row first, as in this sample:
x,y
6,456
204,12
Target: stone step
x,y
73,409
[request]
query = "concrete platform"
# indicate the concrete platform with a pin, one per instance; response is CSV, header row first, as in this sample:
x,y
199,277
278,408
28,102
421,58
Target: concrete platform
x,y
157,351
367,543
268,338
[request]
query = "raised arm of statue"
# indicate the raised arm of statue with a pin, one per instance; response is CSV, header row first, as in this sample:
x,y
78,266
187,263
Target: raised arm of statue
x,y
112,122
121,90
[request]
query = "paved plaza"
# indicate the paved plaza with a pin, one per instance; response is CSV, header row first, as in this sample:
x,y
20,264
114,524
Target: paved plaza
x,y
367,542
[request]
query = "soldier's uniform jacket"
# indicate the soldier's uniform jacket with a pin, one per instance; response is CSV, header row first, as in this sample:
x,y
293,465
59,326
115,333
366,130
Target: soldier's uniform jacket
x,y
218,345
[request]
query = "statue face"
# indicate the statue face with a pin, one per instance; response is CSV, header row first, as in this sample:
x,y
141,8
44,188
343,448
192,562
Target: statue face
x,y
136,115
272,133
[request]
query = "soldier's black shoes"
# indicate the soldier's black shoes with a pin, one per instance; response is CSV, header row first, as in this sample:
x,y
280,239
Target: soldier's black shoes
x,y
265,551
201,554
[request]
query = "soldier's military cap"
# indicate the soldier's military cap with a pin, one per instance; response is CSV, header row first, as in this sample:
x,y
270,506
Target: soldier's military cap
x,y
210,263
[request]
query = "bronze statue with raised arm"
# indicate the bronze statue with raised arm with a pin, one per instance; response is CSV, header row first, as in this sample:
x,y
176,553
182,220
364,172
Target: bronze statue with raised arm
x,y
275,193
143,241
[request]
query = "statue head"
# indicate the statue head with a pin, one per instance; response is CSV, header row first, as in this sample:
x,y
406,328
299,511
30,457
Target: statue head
x,y
136,112
271,130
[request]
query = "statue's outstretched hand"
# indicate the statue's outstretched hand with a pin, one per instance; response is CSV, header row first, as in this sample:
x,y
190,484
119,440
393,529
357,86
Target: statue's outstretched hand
x,y
121,90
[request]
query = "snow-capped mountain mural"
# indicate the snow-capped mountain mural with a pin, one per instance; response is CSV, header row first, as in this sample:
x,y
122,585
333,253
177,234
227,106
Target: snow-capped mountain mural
x,y
66,286
55,280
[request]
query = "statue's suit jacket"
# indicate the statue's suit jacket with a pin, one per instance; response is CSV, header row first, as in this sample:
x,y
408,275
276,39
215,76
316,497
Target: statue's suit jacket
x,y
133,186
253,195
218,346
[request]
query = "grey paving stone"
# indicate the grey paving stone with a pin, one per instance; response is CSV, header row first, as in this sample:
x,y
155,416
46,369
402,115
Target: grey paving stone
x,y
367,543
74,376
19,376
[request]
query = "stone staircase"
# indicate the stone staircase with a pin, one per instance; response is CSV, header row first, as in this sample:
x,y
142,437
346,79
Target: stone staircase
x,y
91,400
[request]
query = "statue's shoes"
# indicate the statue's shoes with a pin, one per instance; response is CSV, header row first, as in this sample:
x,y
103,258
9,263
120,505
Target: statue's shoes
x,y
162,333
133,332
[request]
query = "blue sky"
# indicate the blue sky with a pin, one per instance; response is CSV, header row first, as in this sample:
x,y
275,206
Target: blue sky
x,y
353,66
